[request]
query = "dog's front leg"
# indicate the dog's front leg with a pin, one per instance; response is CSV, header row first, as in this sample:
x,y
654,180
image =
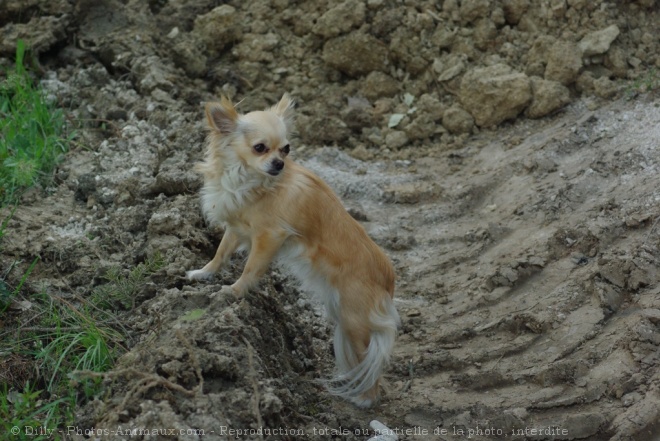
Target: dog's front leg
x,y
227,246
263,250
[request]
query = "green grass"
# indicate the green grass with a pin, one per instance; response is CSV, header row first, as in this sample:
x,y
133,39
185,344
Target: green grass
x,y
32,140
649,82
27,410
59,340
66,337
33,133
5,292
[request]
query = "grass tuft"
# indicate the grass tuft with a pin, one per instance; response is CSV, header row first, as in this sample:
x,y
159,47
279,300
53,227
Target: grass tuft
x,y
33,133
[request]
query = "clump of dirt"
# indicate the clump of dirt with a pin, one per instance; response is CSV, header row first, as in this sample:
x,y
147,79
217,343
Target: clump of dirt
x,y
205,362
526,252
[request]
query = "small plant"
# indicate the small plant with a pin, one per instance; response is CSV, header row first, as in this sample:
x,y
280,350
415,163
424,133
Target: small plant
x,y
25,416
7,295
32,132
123,289
649,82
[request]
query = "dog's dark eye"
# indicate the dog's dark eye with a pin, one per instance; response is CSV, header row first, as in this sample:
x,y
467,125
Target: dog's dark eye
x,y
286,149
259,148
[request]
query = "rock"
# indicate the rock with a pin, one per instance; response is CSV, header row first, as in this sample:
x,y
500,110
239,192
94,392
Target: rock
x,y
634,62
457,120
378,84
340,19
450,66
443,37
386,21
629,399
494,94
218,28
356,54
430,105
173,181
471,10
153,74
538,53
615,61
257,47
396,139
165,222
408,51
116,113
422,127
382,432
322,129
585,82
535,69
413,312
514,10
614,273
639,278
485,32
558,8
583,425
39,34
577,4
358,116
464,46
563,63
86,187
357,213
609,297
604,87
547,96
410,193
598,42
652,314
497,15
187,55
400,243
270,404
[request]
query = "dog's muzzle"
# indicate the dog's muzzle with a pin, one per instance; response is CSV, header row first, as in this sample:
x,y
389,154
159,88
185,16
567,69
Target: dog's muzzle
x,y
276,167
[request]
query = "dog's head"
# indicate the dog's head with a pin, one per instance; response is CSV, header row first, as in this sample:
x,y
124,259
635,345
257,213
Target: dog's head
x,y
259,139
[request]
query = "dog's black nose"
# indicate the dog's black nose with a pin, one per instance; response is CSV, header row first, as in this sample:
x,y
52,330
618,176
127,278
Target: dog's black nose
x,y
276,167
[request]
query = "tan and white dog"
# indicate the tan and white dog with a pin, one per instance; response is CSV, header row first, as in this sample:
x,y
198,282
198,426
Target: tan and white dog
x,y
279,210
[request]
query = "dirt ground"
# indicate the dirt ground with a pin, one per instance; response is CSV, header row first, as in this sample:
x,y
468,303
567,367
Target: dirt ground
x,y
522,221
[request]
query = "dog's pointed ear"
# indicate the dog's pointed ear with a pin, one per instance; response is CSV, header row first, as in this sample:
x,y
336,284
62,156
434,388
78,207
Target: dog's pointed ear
x,y
285,110
222,117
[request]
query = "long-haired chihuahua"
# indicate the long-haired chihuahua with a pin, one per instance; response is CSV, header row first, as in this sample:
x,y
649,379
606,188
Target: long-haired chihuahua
x,y
279,210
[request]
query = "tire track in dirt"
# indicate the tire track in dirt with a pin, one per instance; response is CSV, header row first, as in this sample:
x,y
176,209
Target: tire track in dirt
x,y
513,313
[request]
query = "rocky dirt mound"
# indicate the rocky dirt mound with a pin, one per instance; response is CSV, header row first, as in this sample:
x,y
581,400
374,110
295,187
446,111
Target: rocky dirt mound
x,y
366,74
526,256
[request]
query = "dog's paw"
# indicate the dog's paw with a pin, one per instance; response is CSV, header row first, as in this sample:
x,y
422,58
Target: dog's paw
x,y
227,291
199,275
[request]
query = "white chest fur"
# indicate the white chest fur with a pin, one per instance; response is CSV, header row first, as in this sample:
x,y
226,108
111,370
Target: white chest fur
x,y
228,193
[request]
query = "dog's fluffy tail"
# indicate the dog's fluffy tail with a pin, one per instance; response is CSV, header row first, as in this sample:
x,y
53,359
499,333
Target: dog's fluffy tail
x,y
354,383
